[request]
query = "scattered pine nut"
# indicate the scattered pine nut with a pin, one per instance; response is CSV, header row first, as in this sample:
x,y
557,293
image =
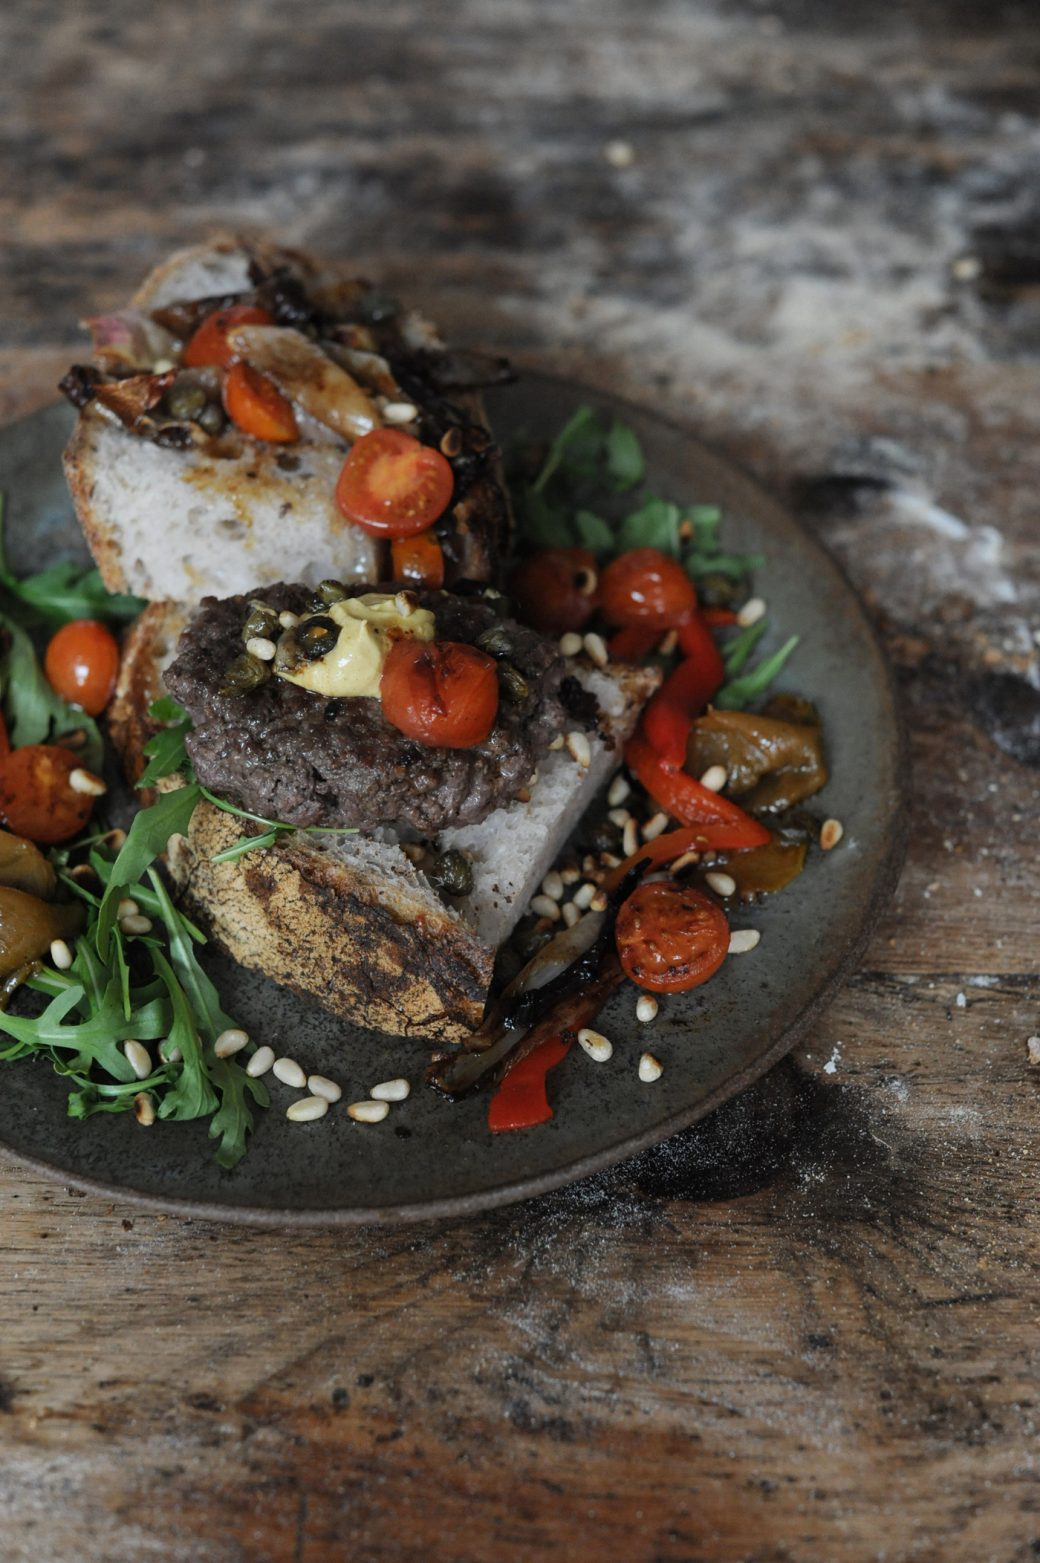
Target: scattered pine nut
x,y
321,1085
260,1062
231,1041
596,648
144,1109
260,647
61,955
596,1045
545,906
609,860
400,412
571,914
558,742
406,603
668,643
579,748
391,1090
630,838
552,886
831,832
139,1058
600,901
655,825
135,924
620,789
715,778
619,817
582,897
170,1055
570,875
127,907
753,610
288,620
722,884
646,1007
368,1112
288,1071
686,861
650,1068
86,782
307,1109
741,940
570,644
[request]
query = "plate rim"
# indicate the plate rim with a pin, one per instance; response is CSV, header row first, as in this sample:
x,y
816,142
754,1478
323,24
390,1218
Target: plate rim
x,y
513,1190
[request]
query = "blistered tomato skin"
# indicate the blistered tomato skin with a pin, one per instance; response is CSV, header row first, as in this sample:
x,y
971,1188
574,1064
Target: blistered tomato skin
x,y
391,485
670,938
645,587
81,664
37,799
555,590
440,693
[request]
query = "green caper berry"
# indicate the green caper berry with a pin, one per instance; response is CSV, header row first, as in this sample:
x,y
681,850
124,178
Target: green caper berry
x,y
211,418
496,641
245,673
514,685
185,401
450,872
316,636
331,591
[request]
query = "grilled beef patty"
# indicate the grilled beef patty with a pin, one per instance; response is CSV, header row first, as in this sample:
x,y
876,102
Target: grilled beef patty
x,y
289,754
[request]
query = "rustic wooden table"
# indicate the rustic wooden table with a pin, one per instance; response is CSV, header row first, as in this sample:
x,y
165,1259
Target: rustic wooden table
x,y
808,1329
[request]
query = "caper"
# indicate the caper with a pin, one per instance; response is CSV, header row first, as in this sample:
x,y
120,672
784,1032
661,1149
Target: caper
x,y
244,674
211,418
287,652
513,683
331,591
185,401
316,636
496,641
497,600
450,872
262,620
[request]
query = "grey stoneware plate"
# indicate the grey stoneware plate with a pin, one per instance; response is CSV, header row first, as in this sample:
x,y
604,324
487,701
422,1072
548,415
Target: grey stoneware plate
x,y
431,1158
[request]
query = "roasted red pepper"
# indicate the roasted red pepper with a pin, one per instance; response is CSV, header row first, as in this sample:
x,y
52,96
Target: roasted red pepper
x,y
714,617
670,715
521,1101
692,804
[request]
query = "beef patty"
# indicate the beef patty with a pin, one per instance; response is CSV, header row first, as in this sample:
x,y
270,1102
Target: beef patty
x,y
289,754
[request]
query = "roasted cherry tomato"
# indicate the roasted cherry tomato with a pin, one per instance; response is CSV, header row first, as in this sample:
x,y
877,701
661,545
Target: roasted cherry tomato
x,y
441,693
556,590
419,560
393,486
36,798
210,345
670,937
645,587
257,406
81,664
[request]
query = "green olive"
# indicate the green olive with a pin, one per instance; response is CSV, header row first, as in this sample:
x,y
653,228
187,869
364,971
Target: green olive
x,y
245,673
317,636
450,872
262,621
513,683
211,418
185,401
28,926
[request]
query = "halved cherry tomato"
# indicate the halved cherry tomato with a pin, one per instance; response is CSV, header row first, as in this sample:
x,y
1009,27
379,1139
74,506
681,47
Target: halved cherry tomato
x,y
645,587
257,406
670,937
393,486
441,693
556,589
521,1101
81,664
419,559
209,344
36,799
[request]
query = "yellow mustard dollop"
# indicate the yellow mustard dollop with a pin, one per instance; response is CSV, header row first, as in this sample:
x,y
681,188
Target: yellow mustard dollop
x,y
368,627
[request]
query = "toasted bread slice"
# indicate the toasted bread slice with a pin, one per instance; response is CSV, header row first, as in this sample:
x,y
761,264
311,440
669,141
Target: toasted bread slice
x,y
232,512
350,921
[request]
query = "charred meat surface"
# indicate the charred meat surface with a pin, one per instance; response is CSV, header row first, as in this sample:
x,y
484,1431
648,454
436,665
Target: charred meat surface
x,y
289,754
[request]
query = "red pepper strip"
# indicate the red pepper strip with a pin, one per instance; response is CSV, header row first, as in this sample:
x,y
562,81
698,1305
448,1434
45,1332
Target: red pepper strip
x,y
714,617
690,803
633,644
670,715
663,849
520,1101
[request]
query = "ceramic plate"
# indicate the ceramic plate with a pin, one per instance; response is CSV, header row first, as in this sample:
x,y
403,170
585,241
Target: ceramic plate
x,y
432,1158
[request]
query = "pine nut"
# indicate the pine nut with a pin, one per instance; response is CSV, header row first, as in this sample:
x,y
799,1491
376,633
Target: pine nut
x,y
722,884
390,1090
86,782
609,860
646,1007
406,603
132,925
630,838
753,610
168,1054
582,897
260,1062
619,817
650,1068
231,1041
586,581
558,742
831,832
288,620
596,1045
288,1071
579,749
260,647
686,861
741,940
321,1085
571,914
545,906
144,1109
600,901
654,826
570,875
669,643
307,1109
139,1058
552,885
61,955
368,1112
400,412
715,778
620,789
596,648
127,907
570,644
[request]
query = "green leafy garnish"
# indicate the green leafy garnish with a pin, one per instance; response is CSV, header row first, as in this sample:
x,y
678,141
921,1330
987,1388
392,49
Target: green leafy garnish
x,y
166,749
147,839
623,457
740,692
35,714
654,525
63,592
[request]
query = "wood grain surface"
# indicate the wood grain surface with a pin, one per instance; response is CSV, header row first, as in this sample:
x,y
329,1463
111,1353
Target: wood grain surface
x,y
808,1329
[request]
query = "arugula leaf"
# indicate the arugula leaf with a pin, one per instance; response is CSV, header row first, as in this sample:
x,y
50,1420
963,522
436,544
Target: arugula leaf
x,y
740,692
191,1095
167,753
624,461
35,714
705,521
63,592
95,1038
736,566
593,532
575,439
147,837
654,525
736,651
544,525
233,1120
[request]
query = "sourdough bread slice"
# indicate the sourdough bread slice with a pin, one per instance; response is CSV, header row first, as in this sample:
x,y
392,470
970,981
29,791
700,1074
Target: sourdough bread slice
x,y
234,512
350,921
